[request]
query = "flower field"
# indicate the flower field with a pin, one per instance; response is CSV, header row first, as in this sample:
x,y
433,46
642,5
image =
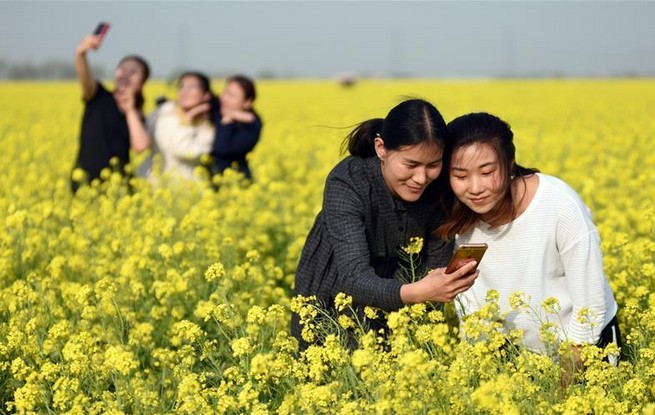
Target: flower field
x,y
177,299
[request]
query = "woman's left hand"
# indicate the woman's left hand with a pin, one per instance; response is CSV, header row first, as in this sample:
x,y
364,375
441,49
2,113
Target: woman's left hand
x,y
237,116
125,99
439,286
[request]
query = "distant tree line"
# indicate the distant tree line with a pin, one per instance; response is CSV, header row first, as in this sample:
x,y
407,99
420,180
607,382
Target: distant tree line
x,y
58,69
51,69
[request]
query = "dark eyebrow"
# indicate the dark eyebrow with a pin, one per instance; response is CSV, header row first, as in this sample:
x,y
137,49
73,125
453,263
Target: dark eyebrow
x,y
490,163
408,160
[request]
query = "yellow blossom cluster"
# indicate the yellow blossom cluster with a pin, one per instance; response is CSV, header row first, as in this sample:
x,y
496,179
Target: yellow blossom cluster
x,y
177,298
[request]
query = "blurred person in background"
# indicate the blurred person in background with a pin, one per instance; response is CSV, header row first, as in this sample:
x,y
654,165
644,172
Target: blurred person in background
x,y
113,121
238,126
182,130
375,201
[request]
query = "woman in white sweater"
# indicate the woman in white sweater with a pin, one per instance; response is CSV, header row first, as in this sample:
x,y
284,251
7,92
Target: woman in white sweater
x,y
182,130
542,240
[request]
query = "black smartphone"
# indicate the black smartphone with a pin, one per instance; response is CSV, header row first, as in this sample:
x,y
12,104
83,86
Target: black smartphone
x,y
101,29
464,254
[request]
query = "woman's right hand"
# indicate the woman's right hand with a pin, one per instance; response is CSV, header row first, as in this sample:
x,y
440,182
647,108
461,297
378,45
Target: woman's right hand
x,y
439,286
125,99
196,112
89,42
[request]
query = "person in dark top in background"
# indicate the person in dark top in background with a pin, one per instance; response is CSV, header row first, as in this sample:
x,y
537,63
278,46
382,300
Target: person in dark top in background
x,y
375,200
237,126
113,122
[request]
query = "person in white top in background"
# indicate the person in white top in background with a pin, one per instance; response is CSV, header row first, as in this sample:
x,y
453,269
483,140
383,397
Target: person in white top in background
x,y
182,130
541,237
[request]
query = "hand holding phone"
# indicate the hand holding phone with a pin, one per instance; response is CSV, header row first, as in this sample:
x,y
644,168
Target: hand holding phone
x,y
101,29
464,254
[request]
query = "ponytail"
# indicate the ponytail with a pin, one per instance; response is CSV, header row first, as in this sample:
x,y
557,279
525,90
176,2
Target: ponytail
x,y
360,141
409,123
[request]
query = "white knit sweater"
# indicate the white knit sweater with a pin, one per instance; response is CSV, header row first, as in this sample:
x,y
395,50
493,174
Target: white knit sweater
x,y
180,145
551,250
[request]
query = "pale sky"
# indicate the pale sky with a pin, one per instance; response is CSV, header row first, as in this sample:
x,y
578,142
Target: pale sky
x,y
321,39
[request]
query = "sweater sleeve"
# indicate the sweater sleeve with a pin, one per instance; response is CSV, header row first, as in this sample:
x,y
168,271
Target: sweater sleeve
x,y
582,260
344,220
236,139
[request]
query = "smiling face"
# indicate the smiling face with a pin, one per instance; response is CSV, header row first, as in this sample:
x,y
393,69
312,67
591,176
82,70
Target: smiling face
x,y
191,92
234,98
477,179
407,171
129,74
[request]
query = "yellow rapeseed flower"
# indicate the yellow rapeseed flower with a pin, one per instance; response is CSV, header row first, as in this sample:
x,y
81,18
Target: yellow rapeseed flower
x,y
415,245
341,301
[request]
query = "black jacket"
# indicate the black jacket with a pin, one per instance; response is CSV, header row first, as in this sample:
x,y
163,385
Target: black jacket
x,y
232,143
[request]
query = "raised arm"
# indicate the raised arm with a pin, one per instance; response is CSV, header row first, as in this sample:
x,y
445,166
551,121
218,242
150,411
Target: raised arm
x,y
89,85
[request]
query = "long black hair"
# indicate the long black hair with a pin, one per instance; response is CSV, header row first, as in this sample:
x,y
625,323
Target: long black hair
x,y
411,122
475,129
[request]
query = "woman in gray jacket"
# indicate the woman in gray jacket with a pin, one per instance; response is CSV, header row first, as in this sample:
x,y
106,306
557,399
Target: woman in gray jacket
x,y
375,200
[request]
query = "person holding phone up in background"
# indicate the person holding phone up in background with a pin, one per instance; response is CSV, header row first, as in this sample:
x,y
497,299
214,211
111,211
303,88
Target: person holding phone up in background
x,y
541,238
113,122
375,200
